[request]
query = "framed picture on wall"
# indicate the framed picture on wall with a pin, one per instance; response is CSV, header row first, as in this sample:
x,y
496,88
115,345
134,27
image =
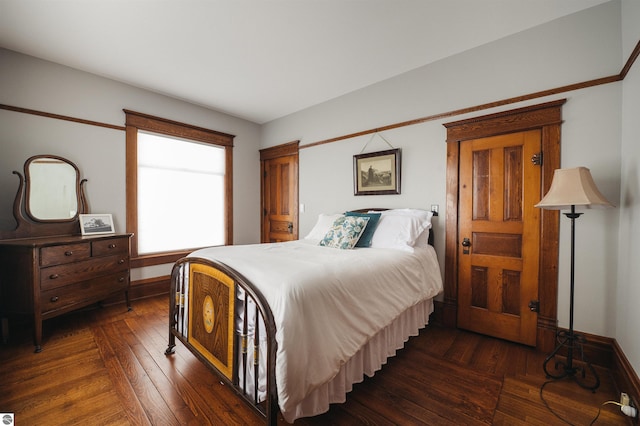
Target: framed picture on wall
x,y
377,173
92,224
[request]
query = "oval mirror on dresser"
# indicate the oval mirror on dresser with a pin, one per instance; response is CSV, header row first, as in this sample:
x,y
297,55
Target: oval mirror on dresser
x,y
49,200
53,188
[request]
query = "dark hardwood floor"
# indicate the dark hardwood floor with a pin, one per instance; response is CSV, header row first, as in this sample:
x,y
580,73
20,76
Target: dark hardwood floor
x,y
107,366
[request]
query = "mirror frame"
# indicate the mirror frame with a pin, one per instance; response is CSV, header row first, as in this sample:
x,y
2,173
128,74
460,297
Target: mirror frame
x,y
29,187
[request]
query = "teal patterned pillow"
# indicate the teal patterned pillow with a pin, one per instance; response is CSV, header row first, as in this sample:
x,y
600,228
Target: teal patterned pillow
x,y
367,235
345,232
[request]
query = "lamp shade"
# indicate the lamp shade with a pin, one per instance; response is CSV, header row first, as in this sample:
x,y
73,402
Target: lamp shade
x,y
573,187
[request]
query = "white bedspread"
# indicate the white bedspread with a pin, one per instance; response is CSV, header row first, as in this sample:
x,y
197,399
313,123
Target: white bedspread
x,y
327,303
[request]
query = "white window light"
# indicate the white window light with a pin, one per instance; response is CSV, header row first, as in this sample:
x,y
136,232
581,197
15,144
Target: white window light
x,y
181,200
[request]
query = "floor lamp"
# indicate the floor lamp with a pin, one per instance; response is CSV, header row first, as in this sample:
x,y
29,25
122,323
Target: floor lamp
x,y
571,188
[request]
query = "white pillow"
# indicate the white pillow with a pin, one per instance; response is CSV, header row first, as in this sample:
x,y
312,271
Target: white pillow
x,y
421,214
400,230
320,229
423,239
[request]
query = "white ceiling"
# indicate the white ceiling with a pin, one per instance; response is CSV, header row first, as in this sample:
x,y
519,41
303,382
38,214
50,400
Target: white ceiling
x,y
261,59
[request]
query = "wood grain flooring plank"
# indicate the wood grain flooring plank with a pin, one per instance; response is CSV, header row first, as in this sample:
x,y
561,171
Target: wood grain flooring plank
x,y
128,399
486,357
223,400
534,364
195,381
521,399
463,348
52,382
442,404
439,341
50,363
88,409
502,419
35,365
171,369
511,360
49,406
336,416
100,409
363,414
398,402
137,340
523,409
23,356
450,378
153,403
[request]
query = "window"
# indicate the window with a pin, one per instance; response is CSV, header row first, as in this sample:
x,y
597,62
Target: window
x,y
178,188
195,171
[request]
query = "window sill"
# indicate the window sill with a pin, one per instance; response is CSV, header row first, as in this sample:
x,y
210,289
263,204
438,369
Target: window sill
x,y
158,258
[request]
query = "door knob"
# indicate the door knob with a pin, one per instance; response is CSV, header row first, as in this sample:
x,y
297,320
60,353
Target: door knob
x,y
466,244
290,227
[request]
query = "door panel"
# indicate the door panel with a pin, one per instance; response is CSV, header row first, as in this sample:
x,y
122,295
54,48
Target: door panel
x,y
498,266
280,192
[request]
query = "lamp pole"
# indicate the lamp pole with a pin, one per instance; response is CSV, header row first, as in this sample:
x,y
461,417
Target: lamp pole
x,y
573,216
570,339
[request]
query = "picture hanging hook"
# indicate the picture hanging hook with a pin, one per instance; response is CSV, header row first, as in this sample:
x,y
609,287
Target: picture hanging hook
x,y
371,138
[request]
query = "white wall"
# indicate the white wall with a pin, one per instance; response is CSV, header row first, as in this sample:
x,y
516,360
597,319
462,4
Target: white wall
x,y
98,152
628,283
559,53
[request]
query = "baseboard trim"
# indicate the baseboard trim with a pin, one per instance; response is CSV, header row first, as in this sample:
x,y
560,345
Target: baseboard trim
x,y
141,289
149,287
624,375
598,350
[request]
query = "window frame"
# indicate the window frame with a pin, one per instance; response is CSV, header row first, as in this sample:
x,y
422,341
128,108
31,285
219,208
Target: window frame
x,y
136,121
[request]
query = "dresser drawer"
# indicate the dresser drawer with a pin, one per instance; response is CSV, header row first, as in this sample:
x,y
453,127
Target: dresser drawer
x,y
67,253
62,275
83,292
108,247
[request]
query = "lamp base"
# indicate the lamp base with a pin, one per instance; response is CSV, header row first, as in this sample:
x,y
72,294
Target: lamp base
x,y
571,341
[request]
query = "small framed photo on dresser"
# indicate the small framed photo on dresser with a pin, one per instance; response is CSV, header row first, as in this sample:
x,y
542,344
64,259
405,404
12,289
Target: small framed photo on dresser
x,y
93,224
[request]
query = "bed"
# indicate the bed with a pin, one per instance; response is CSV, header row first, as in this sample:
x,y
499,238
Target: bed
x,y
292,326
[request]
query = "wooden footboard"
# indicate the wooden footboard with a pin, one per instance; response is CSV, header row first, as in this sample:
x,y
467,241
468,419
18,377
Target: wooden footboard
x,y
216,313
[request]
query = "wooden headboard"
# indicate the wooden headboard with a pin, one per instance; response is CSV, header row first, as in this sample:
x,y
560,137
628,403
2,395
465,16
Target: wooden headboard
x,y
379,209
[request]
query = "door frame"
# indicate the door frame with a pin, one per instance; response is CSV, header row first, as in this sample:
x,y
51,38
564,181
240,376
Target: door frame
x,y
548,118
283,150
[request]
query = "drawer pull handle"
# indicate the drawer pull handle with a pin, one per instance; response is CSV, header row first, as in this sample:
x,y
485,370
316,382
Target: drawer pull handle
x,y
120,262
54,299
121,279
68,253
112,246
53,276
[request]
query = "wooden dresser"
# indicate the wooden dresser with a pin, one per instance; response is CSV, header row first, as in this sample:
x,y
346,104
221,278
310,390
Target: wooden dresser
x,y
48,276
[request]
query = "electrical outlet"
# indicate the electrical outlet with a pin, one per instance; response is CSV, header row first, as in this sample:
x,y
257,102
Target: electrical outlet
x,y
624,399
629,409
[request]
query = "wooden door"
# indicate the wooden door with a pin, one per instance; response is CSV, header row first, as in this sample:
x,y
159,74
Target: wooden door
x,y
279,194
499,235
